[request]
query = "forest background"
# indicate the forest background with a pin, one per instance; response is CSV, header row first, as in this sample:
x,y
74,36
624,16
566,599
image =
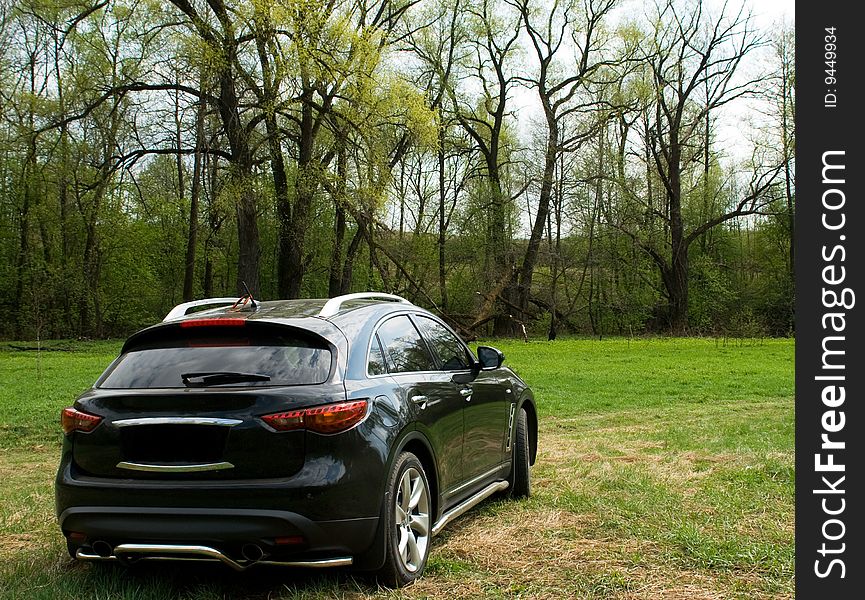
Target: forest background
x,y
520,167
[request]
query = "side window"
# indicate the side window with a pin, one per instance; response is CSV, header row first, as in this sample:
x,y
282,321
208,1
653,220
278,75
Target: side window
x,y
453,355
404,349
375,362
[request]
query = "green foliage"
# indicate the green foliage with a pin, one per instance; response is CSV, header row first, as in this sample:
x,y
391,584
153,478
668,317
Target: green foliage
x,y
94,226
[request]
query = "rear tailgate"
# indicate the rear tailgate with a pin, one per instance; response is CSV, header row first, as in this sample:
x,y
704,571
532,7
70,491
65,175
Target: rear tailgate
x,y
156,425
196,434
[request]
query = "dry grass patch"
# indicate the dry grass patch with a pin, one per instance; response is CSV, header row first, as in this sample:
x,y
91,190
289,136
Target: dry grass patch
x,y
552,553
529,543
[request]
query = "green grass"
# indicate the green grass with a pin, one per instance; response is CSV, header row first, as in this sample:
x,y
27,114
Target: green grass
x,y
665,470
36,384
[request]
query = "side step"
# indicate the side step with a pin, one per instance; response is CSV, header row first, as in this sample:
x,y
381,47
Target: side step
x,y
201,553
468,504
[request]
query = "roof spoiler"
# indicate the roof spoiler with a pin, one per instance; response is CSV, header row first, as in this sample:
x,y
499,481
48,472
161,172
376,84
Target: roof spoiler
x,y
332,306
181,310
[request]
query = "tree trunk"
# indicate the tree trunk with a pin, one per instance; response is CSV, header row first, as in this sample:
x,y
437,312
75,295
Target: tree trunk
x,y
249,247
192,238
23,247
335,280
443,288
498,249
293,229
214,221
334,286
240,178
283,203
63,193
90,323
557,266
677,285
350,254
531,257
208,275
28,180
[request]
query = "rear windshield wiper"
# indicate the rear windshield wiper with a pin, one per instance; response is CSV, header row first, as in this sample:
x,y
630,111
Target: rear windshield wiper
x,y
220,377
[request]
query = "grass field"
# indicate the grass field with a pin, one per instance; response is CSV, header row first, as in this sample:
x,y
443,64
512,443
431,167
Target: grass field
x,y
665,470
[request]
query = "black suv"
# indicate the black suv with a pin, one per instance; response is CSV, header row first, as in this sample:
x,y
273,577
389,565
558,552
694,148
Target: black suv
x,y
300,432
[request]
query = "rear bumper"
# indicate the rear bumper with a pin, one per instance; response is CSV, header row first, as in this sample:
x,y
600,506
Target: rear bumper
x,y
281,535
134,552
330,509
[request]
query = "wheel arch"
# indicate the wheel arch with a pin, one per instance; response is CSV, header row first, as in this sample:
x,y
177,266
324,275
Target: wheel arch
x,y
532,416
416,443
413,441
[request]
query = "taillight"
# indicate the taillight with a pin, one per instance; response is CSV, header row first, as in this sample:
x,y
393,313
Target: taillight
x,y
285,421
72,419
335,417
330,418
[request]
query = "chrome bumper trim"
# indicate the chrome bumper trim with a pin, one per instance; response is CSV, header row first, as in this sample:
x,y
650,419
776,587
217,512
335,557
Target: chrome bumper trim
x,y
201,553
177,421
157,468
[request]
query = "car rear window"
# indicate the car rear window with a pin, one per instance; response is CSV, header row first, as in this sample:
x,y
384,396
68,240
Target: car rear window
x,y
285,359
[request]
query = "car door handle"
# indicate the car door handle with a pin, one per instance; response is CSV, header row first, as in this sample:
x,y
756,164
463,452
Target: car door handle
x,y
420,401
466,393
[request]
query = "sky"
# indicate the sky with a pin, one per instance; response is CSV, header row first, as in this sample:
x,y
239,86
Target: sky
x,y
768,12
731,128
731,134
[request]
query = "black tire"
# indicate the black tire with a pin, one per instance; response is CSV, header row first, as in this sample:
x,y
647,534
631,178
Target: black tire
x,y
520,478
407,540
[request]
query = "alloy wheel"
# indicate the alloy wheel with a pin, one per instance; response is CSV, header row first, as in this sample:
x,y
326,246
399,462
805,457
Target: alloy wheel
x,y
412,520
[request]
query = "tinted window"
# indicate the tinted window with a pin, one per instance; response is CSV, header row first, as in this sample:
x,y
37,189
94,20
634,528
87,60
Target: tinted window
x,y
285,360
375,362
450,351
404,349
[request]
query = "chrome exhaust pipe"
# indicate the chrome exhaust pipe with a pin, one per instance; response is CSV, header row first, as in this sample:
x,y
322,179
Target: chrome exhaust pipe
x,y
252,552
102,548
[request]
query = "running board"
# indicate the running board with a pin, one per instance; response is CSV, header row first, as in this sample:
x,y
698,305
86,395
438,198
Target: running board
x,y
201,554
468,504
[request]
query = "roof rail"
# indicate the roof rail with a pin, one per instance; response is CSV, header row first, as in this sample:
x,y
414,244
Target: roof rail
x,y
181,309
332,306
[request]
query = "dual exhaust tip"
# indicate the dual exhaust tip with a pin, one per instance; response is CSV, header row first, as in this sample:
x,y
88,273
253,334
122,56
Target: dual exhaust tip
x,y
252,552
102,548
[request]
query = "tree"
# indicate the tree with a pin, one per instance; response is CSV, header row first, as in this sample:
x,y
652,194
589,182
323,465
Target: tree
x,y
153,151
563,93
694,64
493,36
224,43
436,42
781,94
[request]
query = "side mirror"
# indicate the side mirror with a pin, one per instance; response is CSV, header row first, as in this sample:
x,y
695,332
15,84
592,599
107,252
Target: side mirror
x,y
490,358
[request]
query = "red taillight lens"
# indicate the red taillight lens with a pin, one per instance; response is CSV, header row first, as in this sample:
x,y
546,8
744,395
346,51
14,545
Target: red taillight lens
x,y
285,421
217,322
291,540
72,419
335,417
330,418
